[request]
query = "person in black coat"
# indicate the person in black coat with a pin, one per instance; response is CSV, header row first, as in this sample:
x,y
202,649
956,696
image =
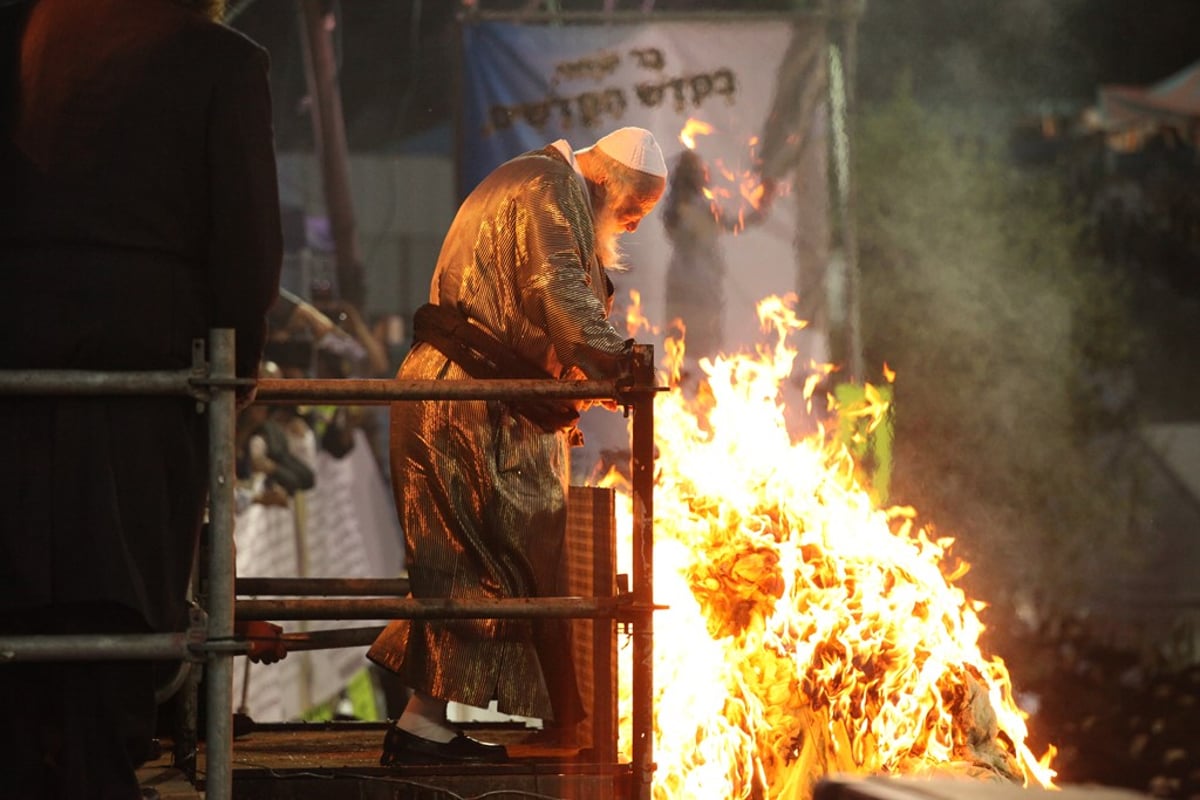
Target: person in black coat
x,y
138,209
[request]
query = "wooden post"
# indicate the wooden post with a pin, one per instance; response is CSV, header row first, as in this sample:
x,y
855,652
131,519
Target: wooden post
x,y
329,133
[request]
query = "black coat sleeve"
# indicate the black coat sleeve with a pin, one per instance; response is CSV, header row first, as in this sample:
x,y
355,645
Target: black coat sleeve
x,y
246,244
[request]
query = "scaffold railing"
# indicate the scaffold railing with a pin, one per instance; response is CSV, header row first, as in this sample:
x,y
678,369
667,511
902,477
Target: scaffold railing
x,y
210,640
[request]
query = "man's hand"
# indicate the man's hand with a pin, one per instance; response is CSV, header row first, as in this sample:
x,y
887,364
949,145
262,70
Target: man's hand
x,y
574,373
264,638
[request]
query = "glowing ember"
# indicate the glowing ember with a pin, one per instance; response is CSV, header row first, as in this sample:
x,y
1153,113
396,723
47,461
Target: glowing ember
x,y
808,632
738,187
691,129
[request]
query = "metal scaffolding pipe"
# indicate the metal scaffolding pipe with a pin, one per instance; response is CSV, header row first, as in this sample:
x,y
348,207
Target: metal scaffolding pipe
x,y
642,486
221,571
97,647
308,587
428,608
374,391
331,640
214,383
84,382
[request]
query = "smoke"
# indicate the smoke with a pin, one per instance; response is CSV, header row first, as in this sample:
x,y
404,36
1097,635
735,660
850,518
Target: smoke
x,y
964,54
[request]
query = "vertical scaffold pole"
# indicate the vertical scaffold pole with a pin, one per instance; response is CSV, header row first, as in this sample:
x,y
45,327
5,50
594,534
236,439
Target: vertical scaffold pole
x,y
642,469
219,699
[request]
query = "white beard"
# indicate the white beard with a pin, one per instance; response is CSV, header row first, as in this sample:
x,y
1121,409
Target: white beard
x,y
608,248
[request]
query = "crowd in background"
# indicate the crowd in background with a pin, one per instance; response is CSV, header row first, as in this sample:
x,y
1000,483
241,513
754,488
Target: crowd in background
x,y
1141,192
277,445
1148,210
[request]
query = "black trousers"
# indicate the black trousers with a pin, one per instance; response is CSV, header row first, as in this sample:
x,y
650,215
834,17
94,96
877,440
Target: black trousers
x,y
75,729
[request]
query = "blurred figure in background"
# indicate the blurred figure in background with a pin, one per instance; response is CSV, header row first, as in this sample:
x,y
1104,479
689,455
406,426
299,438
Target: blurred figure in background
x,y
328,339
139,209
695,285
696,273
357,353
265,461
370,359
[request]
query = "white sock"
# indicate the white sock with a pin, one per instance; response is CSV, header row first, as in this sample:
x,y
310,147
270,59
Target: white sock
x,y
425,716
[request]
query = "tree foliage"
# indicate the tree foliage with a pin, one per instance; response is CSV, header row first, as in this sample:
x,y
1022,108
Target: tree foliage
x,y
975,291
1021,53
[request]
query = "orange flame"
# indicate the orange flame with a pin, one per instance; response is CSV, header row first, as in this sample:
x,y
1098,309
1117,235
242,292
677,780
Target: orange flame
x,y
752,190
808,632
691,129
636,320
741,184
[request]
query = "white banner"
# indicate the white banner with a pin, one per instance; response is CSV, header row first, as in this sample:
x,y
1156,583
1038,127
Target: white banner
x,y
752,92
344,527
757,87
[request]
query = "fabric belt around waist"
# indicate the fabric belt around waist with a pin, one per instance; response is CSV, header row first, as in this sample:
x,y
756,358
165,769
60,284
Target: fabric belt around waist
x,y
483,356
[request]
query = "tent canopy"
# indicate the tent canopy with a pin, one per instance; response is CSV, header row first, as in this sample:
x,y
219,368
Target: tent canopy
x,y
1175,99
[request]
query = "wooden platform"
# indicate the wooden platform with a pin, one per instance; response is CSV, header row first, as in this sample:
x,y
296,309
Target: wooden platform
x,y
334,761
341,759
902,788
338,760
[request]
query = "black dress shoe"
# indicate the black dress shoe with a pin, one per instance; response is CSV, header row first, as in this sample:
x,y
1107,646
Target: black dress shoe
x,y
402,747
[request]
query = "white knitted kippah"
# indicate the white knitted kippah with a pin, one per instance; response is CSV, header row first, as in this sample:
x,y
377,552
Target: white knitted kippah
x,y
635,148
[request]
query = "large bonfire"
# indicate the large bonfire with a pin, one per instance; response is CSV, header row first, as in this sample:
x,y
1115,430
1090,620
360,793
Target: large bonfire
x,y
809,632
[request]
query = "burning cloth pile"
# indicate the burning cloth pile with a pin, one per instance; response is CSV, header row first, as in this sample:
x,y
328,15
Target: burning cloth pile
x,y
808,631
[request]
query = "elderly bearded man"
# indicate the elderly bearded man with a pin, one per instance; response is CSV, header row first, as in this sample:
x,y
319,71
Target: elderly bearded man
x,y
481,485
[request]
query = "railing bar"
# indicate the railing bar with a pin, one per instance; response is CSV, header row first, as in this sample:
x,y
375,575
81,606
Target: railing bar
x,y
381,390
82,382
426,608
95,647
347,587
221,571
